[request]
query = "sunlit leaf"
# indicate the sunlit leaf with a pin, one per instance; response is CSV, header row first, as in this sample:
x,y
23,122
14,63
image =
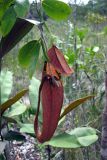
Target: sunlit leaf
x,y
75,104
27,128
6,82
56,9
64,140
33,96
85,135
33,92
88,140
79,137
16,109
12,100
95,49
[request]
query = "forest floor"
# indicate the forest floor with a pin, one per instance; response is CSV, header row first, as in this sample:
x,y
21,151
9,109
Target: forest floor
x,y
26,150
29,150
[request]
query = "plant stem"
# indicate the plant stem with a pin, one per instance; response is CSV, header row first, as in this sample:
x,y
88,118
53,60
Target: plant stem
x,y
75,40
48,148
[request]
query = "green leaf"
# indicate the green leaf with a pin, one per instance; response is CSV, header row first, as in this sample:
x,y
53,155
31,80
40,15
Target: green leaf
x,y
16,109
29,53
71,56
81,33
33,92
85,135
79,137
19,30
62,119
87,140
74,104
21,7
8,20
2,11
83,131
56,9
105,30
64,140
27,128
12,100
32,68
12,135
4,6
6,82
33,96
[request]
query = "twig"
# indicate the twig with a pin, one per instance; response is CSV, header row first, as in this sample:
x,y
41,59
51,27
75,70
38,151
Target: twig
x,y
48,148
